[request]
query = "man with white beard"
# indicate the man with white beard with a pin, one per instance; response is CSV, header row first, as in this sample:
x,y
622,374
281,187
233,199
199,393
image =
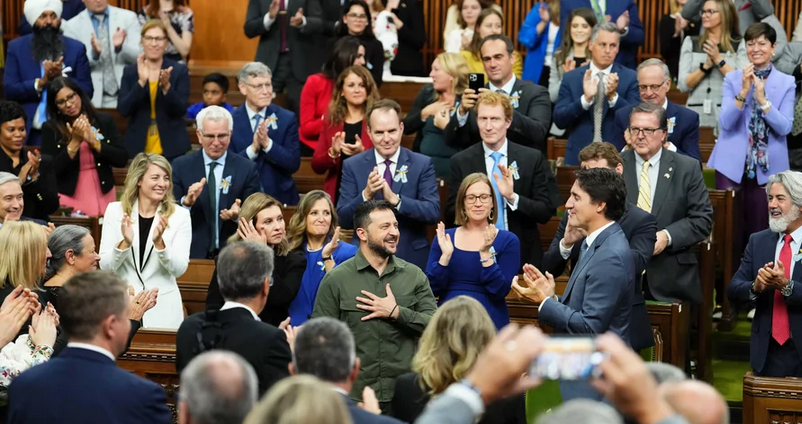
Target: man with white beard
x,y
769,279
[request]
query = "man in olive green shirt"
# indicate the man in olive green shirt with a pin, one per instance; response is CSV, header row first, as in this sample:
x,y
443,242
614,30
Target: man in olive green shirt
x,y
386,329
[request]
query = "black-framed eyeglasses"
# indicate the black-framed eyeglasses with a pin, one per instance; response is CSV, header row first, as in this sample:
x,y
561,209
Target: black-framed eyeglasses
x,y
471,199
654,87
213,137
261,87
357,16
710,12
70,97
645,131
153,40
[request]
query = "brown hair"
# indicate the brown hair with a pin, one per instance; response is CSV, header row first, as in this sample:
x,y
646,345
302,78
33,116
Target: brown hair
x,y
475,48
154,7
596,151
153,23
338,106
24,254
475,178
567,44
554,11
296,230
484,4
729,26
385,105
492,98
87,299
251,207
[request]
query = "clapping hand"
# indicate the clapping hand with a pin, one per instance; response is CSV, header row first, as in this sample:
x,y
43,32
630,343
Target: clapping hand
x,y
260,138
42,330
142,302
15,311
118,38
158,242
569,65
504,182
193,192
142,70
298,19
164,79
369,401
590,85
165,18
331,246
543,12
711,49
337,143
611,85
623,21
247,231
233,212
374,185
96,47
746,78
53,68
31,167
127,231
353,149
491,231
760,89
274,7
535,286
446,246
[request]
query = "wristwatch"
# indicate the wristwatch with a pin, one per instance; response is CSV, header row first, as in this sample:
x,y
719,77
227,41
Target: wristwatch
x,y
722,63
740,98
788,289
766,107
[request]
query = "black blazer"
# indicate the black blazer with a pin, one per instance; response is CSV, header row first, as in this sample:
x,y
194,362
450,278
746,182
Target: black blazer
x,y
302,63
410,400
411,38
262,345
640,228
360,416
537,189
112,154
287,273
374,56
134,104
40,196
531,119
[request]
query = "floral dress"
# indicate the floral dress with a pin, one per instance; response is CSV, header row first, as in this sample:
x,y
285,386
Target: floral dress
x,y
385,31
17,357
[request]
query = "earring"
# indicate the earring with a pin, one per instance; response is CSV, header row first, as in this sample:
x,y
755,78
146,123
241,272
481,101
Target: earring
x,y
490,217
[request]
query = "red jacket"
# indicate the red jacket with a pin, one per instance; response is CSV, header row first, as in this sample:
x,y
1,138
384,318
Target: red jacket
x,y
314,103
323,163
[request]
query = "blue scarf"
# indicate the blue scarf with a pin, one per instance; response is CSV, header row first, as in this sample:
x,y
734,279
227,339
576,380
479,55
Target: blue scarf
x,y
758,154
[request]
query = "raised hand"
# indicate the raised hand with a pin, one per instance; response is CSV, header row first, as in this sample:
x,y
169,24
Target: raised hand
x,y
491,231
42,330
353,149
164,79
142,302
760,89
14,313
590,85
233,212
274,7
374,185
611,85
331,246
543,12
298,19
193,192
165,18
142,70
119,37
96,47
127,230
569,65
623,21
31,167
446,246
159,232
337,143
247,231
504,182
469,98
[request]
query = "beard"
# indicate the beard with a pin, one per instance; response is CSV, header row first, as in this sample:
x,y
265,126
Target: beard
x,y
379,249
779,225
46,43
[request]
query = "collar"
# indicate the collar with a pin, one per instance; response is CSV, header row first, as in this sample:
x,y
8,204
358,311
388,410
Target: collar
x,y
207,160
394,158
93,348
654,161
502,149
340,391
105,13
796,236
592,236
507,88
362,262
231,305
596,70
665,104
251,113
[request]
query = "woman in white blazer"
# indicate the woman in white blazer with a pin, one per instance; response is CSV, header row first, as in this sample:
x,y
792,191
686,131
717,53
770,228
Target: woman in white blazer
x,y
146,238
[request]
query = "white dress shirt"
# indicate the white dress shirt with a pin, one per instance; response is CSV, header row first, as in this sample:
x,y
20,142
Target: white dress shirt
x,y
594,73
251,114
795,244
231,305
654,178
93,348
218,177
381,167
489,168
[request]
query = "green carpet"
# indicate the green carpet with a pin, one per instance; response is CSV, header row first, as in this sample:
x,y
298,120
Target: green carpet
x,y
728,374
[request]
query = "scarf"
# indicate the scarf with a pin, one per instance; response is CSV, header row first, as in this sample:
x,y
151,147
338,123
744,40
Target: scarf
x,y
758,155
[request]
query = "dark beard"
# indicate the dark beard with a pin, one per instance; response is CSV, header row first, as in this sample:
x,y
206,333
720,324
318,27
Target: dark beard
x,y
46,43
378,249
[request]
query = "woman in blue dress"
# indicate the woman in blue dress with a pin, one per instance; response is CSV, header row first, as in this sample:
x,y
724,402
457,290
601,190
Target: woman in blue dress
x,y
475,259
314,232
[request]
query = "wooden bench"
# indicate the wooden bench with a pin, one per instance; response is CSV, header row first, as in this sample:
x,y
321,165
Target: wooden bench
x,y
194,284
771,400
306,179
727,226
152,356
93,223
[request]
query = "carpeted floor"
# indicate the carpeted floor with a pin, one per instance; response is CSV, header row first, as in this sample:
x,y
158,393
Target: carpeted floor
x,y
728,373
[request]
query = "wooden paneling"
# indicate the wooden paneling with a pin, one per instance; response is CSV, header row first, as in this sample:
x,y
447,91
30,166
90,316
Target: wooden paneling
x,y
772,400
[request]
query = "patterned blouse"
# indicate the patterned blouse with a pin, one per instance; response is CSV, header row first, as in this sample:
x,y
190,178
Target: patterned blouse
x,y
17,357
180,21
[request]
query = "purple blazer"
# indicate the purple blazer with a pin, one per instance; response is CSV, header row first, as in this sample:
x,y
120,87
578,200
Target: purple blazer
x,y
729,153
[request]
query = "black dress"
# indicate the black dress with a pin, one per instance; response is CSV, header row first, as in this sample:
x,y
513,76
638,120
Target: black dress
x,y
669,46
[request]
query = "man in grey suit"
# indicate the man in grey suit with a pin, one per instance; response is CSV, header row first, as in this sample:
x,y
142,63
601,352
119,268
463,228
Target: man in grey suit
x,y
671,187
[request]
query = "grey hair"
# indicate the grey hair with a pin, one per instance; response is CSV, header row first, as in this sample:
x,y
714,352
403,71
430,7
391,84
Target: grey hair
x,y
655,62
792,181
664,372
214,392
242,268
606,27
7,177
582,411
64,238
656,110
324,347
214,113
253,69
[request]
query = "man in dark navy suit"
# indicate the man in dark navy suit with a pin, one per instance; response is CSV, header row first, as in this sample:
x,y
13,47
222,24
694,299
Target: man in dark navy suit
x,y
213,184
639,227
623,14
83,384
770,279
266,134
329,338
395,174
654,81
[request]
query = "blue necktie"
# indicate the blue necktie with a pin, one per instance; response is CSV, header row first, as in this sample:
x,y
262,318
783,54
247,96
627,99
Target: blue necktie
x,y
257,119
582,250
43,103
499,198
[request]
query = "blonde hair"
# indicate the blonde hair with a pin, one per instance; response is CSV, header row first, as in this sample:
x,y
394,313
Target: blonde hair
x,y
338,106
674,7
153,23
456,334
454,64
729,26
25,254
136,171
492,98
251,207
296,229
301,399
475,178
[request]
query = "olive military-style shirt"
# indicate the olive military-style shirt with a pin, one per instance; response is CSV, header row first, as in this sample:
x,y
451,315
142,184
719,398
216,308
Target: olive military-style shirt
x,y
385,346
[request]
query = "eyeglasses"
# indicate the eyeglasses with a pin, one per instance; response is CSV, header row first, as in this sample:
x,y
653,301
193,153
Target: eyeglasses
x,y
213,137
261,87
70,97
710,12
645,131
654,87
153,40
359,17
471,199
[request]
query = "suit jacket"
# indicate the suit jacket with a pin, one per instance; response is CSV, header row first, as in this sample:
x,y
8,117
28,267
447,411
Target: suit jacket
x,y
578,122
531,119
759,251
22,70
262,345
682,207
299,42
40,196
640,228
244,181
536,44
159,269
683,128
81,28
322,163
134,104
74,381
420,202
360,416
732,145
112,154
628,51
411,39
284,158
537,191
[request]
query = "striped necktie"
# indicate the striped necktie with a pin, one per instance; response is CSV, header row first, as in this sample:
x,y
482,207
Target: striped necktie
x,y
645,189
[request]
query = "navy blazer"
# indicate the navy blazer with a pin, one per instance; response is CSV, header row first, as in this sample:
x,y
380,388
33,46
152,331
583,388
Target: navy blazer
x,y
640,228
683,128
361,416
569,114
284,158
22,70
420,201
74,382
134,104
628,51
189,169
759,251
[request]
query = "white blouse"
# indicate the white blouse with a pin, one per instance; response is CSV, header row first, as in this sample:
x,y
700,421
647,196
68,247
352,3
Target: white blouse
x,y
17,357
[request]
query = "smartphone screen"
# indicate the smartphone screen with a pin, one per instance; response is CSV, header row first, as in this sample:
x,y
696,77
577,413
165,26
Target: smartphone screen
x,y
476,81
567,358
